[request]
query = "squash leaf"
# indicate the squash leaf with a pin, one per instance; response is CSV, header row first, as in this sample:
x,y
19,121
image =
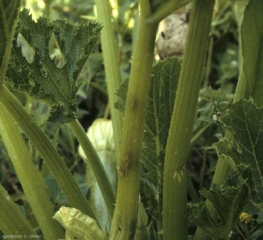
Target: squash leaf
x,y
228,199
47,58
78,225
165,75
245,122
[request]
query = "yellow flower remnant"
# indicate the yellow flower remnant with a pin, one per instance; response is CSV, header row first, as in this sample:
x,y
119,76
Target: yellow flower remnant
x,y
245,218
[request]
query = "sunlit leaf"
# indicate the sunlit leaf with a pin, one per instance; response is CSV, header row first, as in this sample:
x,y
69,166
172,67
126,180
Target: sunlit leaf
x,y
78,225
52,76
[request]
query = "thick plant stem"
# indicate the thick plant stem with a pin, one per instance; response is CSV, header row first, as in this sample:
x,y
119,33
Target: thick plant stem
x,y
96,166
9,12
223,167
13,221
222,170
32,182
47,151
183,117
126,210
110,57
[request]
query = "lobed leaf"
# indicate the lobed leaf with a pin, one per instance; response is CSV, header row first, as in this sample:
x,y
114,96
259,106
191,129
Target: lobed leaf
x,y
245,122
228,199
58,51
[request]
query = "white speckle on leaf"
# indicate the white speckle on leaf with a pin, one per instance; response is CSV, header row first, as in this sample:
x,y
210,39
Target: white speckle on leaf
x,y
178,175
215,117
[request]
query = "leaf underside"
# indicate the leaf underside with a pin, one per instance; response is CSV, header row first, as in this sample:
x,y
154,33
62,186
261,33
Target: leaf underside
x,y
78,225
42,77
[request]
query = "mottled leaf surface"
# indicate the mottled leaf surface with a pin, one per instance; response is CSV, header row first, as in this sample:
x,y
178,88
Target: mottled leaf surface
x,y
245,121
42,77
165,75
228,199
9,10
